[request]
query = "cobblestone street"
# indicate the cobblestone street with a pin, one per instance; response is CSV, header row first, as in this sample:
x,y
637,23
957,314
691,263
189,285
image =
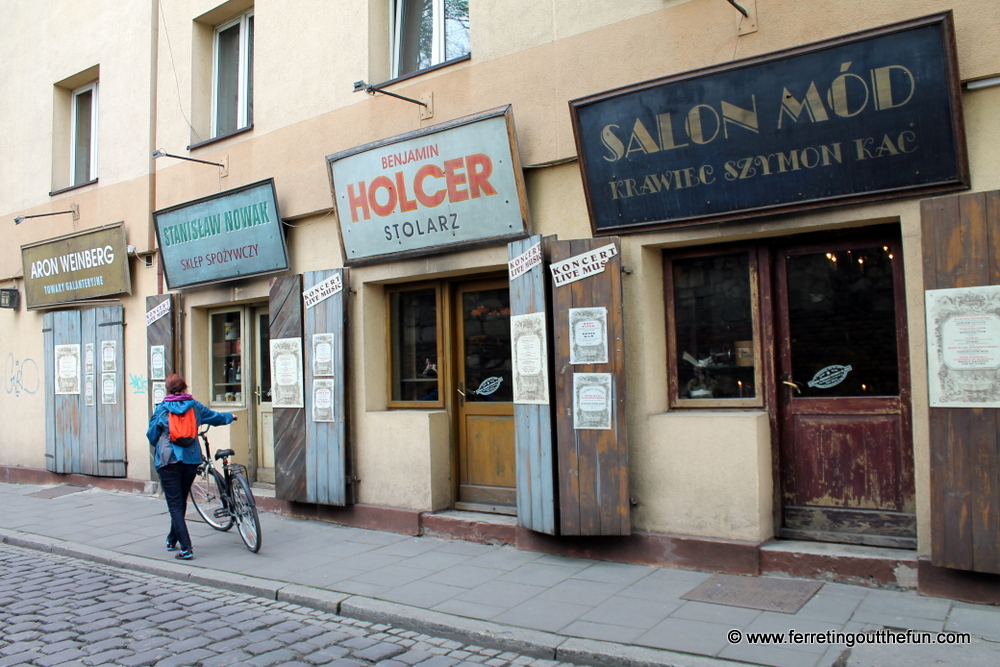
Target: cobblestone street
x,y
56,610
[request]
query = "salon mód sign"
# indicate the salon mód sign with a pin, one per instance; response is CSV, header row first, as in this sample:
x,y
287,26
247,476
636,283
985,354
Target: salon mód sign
x,y
861,117
441,188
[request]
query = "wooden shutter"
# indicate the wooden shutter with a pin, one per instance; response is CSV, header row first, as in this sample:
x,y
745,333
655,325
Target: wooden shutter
x,y
961,248
327,455
533,427
592,463
163,332
81,438
285,307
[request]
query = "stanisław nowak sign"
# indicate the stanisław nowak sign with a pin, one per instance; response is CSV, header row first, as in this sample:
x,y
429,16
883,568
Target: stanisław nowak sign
x,y
870,115
457,184
83,265
234,234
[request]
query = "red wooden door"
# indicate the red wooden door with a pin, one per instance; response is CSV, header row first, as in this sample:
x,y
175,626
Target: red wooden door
x,y
843,393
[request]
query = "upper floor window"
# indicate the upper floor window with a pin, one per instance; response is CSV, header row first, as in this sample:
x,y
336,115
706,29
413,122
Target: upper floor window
x,y
83,135
232,90
427,33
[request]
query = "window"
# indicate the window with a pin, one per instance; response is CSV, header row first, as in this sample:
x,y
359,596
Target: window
x,y
427,33
712,328
227,357
232,90
83,135
415,347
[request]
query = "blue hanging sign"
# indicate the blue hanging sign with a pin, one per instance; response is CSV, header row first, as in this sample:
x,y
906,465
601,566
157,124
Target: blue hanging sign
x,y
234,234
867,116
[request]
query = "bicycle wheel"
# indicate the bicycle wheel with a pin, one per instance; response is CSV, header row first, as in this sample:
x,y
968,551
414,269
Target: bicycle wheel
x,y
245,508
209,497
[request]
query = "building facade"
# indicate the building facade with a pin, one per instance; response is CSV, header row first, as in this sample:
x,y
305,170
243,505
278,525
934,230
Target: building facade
x,y
688,282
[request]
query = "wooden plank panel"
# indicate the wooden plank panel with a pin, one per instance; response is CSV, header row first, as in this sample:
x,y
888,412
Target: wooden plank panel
x,y
66,327
285,308
48,366
533,424
327,452
88,413
593,465
161,332
110,442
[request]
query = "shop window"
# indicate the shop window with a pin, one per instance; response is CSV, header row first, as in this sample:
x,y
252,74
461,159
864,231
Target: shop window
x,y
232,79
712,317
415,348
83,135
226,332
427,33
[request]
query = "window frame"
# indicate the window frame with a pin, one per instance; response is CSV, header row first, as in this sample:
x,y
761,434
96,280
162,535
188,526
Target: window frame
x,y
74,133
245,70
241,355
442,362
757,258
438,46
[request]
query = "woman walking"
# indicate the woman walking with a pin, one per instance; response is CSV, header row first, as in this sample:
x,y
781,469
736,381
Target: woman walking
x,y
177,461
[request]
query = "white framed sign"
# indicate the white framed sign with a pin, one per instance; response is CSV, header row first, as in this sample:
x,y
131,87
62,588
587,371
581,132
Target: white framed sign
x,y
963,347
67,362
588,335
592,400
529,359
286,373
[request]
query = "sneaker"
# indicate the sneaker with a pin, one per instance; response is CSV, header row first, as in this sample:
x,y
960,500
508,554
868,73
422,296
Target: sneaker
x,y
185,555
171,546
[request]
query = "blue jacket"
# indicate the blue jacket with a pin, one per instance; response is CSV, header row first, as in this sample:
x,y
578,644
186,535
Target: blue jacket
x,y
158,433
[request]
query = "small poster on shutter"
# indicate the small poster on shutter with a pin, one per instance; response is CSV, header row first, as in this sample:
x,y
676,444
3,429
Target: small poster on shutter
x,y
88,389
109,388
67,361
159,392
286,373
592,400
157,362
88,358
963,347
323,354
109,356
529,359
588,335
322,400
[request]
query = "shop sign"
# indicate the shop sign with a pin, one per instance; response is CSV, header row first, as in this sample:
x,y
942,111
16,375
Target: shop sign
x,y
451,186
83,265
234,234
867,116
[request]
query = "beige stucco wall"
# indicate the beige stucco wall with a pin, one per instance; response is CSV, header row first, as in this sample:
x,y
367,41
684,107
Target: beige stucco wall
x,y
697,473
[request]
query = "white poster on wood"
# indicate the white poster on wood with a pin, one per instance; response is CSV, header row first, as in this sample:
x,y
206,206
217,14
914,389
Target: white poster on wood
x,y
67,362
322,344
963,347
592,400
286,373
529,359
323,400
588,335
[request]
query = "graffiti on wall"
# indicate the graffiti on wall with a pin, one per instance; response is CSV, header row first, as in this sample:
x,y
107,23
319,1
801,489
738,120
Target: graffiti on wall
x,y
137,383
21,375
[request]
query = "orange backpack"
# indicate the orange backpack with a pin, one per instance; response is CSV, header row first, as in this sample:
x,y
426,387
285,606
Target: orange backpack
x,y
184,428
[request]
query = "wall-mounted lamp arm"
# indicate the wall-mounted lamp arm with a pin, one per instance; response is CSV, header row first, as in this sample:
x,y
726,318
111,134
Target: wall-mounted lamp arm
x,y
159,152
74,209
371,90
742,11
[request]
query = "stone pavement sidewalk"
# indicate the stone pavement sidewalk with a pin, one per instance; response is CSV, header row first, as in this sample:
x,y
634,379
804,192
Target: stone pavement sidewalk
x,y
567,609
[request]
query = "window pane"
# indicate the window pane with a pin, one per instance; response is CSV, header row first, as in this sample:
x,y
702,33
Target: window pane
x,y
456,28
82,139
713,326
227,367
842,317
414,341
486,341
249,86
416,35
227,84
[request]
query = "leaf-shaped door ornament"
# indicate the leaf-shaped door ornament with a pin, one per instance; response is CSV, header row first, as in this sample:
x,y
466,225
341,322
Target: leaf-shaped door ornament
x,y
488,386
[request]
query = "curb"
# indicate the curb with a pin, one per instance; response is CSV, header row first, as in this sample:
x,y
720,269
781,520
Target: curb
x,y
534,643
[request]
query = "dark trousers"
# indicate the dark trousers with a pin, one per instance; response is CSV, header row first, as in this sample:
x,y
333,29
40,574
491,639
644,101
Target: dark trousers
x,y
176,480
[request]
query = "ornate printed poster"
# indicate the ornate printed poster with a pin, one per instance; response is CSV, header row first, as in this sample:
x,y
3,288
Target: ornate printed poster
x,y
588,335
592,400
529,359
109,356
109,389
88,389
322,354
159,392
88,358
322,401
157,362
963,347
286,373
67,358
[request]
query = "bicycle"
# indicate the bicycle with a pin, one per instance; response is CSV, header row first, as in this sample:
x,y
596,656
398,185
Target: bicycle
x,y
223,499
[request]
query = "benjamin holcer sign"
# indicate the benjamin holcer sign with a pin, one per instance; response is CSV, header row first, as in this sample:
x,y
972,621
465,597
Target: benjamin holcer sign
x,y
449,186
234,234
870,115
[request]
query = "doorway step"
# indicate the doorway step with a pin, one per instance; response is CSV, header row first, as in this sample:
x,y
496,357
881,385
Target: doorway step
x,y
471,526
875,567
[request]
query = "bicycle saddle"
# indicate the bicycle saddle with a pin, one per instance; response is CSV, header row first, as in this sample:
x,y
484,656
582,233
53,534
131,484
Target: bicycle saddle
x,y
223,453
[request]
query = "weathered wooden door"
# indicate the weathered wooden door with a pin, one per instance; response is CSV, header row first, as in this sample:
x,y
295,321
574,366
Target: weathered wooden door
x,y
261,393
843,393
487,478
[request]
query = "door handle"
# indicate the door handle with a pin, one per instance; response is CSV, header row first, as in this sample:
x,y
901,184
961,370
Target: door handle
x,y
793,385
459,388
